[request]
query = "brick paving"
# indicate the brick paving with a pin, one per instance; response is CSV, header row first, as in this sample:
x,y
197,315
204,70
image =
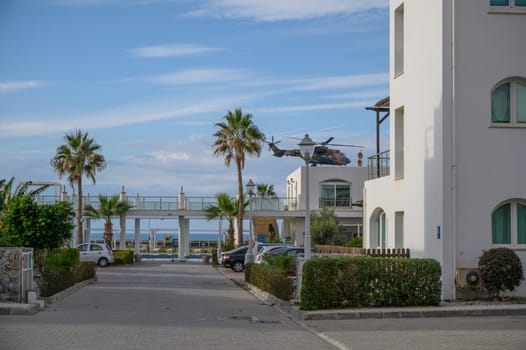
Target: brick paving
x,y
163,305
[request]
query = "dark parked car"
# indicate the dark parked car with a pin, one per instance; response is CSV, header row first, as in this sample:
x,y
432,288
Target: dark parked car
x,y
235,258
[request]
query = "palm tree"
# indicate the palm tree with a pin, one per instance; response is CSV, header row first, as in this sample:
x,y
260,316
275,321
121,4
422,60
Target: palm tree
x,y
226,208
108,208
7,194
265,191
76,158
238,136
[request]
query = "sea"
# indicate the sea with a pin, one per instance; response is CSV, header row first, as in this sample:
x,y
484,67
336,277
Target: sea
x,y
97,236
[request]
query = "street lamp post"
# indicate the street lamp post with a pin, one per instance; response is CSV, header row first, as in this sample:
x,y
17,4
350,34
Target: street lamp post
x,y
249,257
306,146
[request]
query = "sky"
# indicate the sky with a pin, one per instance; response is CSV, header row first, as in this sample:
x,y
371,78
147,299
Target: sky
x,y
149,79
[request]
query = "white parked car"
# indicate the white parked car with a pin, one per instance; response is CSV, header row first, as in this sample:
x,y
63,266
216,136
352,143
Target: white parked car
x,y
99,253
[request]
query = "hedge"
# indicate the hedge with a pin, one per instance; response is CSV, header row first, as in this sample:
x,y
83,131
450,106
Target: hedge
x,y
271,279
366,281
62,269
123,256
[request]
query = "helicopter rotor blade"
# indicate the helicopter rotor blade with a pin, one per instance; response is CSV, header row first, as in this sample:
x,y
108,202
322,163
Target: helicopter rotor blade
x,y
344,145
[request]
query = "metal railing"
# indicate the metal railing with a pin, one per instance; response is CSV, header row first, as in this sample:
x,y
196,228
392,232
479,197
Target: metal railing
x,y
335,203
160,203
378,165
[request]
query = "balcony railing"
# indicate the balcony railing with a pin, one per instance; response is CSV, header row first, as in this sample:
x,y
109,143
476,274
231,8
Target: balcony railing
x,y
378,165
333,203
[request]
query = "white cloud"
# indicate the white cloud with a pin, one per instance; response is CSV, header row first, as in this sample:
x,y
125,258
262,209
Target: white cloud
x,y
278,10
165,156
174,50
11,86
346,81
375,93
201,76
124,115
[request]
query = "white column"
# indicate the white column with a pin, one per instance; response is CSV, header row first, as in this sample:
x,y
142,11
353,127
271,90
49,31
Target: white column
x,y
181,236
186,237
137,248
122,239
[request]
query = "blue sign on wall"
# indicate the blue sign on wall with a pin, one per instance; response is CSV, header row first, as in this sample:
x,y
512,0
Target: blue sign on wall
x,y
175,243
438,232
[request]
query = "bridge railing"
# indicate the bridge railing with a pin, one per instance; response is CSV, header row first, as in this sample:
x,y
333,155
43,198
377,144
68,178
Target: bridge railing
x,y
159,203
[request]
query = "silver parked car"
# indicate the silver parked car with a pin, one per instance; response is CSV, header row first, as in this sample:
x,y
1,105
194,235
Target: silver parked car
x,y
99,253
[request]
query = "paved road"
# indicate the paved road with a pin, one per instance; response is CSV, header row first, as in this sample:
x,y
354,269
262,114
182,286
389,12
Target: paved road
x,y
157,306
460,333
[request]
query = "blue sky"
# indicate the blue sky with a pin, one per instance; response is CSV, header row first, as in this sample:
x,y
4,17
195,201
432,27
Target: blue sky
x,y
148,80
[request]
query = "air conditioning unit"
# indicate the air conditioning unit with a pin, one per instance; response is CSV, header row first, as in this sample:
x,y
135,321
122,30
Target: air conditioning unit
x,y
467,277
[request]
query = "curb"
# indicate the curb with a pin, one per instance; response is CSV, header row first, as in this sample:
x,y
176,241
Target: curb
x,y
18,309
423,312
61,295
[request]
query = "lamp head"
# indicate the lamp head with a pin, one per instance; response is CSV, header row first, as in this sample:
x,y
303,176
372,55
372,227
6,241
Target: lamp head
x,y
306,146
250,187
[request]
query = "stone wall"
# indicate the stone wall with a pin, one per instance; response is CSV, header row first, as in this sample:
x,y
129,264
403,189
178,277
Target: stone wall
x,y
14,281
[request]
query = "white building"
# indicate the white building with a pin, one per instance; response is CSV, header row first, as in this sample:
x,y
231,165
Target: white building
x,y
339,188
457,134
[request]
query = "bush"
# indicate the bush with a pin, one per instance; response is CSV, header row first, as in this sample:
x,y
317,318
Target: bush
x,y
500,270
271,279
365,281
282,262
85,271
62,259
56,281
123,256
356,242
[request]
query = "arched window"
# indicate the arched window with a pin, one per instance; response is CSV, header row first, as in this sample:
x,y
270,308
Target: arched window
x,y
335,193
378,229
508,223
508,102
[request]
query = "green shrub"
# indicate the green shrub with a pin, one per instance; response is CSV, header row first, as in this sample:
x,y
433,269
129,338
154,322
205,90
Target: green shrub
x,y
61,259
283,262
85,271
271,279
356,242
56,281
365,281
123,256
214,257
500,270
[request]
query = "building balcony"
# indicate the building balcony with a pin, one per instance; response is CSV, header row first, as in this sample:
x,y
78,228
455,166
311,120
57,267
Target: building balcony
x,y
378,165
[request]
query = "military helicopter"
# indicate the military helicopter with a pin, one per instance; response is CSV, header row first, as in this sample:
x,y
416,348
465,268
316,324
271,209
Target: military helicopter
x,y
322,155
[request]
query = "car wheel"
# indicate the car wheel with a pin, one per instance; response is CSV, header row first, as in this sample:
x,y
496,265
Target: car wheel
x,y
103,262
238,266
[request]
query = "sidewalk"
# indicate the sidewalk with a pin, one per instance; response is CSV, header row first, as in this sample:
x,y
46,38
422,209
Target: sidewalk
x,y
451,309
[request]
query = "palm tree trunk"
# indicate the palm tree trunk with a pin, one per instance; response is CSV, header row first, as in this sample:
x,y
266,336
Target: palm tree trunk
x,y
241,211
108,233
79,212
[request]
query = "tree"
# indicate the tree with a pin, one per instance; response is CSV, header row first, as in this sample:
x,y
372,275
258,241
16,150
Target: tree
x,y
7,194
41,227
78,157
265,191
237,137
108,208
325,228
227,208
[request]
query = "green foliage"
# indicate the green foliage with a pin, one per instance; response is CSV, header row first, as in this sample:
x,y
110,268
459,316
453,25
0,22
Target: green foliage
x,y
281,261
108,207
28,224
62,259
85,271
270,279
123,256
237,136
365,281
76,158
226,208
62,270
325,228
356,242
272,236
214,257
500,270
